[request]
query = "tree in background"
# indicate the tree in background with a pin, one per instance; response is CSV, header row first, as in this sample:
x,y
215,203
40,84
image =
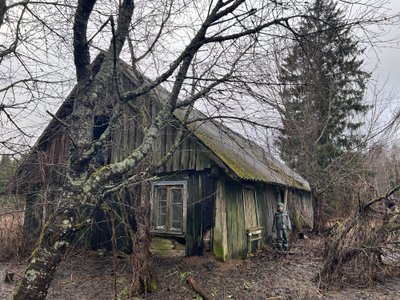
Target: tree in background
x,y
322,99
7,167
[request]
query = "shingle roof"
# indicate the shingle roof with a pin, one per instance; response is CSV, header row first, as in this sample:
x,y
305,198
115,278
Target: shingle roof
x,y
245,158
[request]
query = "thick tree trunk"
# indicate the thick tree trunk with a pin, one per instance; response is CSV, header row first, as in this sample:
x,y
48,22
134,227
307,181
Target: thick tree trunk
x,y
63,225
140,258
318,216
56,235
3,7
60,230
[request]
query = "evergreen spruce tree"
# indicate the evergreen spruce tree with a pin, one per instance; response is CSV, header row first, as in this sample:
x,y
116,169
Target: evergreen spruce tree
x,y
323,89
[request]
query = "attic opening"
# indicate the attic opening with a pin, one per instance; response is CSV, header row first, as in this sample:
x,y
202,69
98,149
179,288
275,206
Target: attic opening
x,y
100,125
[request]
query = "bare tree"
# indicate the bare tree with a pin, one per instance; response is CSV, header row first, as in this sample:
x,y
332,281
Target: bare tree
x,y
33,37
199,50
220,26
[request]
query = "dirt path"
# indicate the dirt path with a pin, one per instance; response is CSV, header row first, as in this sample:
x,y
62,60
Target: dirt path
x,y
268,275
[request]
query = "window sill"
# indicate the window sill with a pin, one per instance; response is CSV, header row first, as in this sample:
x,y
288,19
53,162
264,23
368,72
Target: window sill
x,y
166,233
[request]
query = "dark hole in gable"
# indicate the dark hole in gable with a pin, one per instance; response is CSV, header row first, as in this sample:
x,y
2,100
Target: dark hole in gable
x,y
100,125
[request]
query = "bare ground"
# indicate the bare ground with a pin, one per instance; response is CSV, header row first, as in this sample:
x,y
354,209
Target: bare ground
x,y
267,275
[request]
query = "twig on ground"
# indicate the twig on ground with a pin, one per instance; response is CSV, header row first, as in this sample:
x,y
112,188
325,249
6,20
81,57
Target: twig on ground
x,y
199,289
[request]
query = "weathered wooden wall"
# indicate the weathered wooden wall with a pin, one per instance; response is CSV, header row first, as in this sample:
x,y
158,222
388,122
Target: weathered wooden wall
x,y
201,187
236,230
231,210
189,156
230,213
47,170
268,197
300,207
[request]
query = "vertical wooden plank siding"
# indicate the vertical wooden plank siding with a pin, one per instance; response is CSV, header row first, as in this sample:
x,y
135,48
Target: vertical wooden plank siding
x,y
192,155
33,215
236,229
220,239
262,206
184,154
191,219
200,210
301,203
267,198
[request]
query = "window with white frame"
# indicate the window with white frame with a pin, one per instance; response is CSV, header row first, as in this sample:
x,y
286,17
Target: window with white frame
x,y
169,206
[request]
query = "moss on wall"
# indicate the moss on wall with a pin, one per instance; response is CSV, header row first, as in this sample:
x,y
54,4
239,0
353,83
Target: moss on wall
x,y
220,242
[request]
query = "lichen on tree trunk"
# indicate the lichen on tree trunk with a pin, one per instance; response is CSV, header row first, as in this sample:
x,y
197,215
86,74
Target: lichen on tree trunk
x,y
89,186
57,234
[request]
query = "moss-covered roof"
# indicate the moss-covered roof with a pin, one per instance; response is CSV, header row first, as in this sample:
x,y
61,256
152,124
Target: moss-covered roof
x,y
245,158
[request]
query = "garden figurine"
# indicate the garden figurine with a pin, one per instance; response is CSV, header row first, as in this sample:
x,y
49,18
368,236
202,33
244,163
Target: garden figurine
x,y
280,227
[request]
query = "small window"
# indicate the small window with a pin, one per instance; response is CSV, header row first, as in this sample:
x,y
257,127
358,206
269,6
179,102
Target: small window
x,y
169,207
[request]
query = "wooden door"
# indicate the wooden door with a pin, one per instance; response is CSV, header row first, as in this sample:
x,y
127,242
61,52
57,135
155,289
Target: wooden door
x,y
250,208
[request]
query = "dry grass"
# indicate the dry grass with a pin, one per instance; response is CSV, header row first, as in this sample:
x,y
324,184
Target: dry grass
x,y
12,244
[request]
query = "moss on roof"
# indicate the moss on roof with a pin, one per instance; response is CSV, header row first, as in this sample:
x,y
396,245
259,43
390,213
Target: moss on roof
x,y
246,159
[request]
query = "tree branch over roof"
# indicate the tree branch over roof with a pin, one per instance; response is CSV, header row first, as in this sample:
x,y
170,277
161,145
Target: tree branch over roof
x,y
81,46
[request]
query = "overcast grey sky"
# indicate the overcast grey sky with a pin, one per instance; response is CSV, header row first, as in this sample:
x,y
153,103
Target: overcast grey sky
x,y
387,58
384,61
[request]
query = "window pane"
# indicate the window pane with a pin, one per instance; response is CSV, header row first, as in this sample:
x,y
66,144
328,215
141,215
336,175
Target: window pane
x,y
168,207
161,217
176,210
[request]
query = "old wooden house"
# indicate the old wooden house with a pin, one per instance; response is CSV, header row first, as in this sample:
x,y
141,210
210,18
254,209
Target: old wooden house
x,y
218,190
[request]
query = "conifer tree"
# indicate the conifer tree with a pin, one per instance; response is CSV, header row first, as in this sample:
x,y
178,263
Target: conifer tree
x,y
323,99
324,86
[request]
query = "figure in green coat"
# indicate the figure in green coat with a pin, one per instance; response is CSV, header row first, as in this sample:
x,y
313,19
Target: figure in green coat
x,y
280,227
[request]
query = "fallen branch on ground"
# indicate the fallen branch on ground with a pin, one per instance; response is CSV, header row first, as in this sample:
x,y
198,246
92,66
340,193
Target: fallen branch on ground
x,y
199,289
366,242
